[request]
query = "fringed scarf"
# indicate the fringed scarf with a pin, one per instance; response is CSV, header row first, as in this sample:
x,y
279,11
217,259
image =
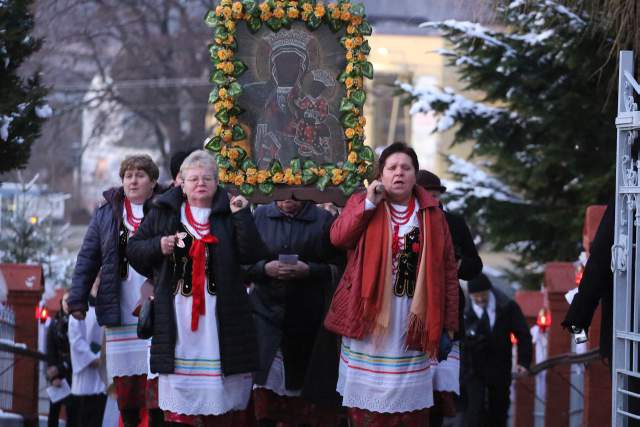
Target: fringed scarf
x,y
426,315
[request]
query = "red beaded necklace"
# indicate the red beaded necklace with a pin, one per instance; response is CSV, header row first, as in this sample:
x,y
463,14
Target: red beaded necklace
x,y
133,220
399,218
202,229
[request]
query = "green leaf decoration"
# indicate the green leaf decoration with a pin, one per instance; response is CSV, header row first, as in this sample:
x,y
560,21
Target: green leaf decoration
x,y
357,143
238,67
235,111
352,180
238,133
286,23
246,189
248,163
223,116
365,48
213,50
308,164
275,167
222,161
250,7
346,188
348,166
358,97
218,77
346,105
343,76
357,9
211,19
274,23
365,28
369,172
221,32
367,70
235,89
366,154
295,165
335,25
328,167
254,24
213,95
308,177
213,143
266,188
349,120
314,22
323,181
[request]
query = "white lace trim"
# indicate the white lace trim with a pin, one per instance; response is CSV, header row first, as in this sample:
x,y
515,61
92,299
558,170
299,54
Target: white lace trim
x,y
183,396
276,379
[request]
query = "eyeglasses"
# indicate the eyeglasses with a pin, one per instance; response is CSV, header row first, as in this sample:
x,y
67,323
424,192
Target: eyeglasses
x,y
206,179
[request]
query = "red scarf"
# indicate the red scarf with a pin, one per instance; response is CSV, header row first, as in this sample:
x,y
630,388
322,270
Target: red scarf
x,y
197,253
426,317
133,221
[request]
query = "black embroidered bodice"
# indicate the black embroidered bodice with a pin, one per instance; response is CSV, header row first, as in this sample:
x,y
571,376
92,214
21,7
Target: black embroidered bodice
x,y
182,266
406,263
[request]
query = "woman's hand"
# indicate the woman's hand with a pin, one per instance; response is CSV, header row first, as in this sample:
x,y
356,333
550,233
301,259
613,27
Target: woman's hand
x,y
167,244
298,270
238,203
375,192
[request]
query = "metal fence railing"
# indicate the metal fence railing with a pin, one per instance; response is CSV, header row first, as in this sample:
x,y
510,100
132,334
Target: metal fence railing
x,y
7,359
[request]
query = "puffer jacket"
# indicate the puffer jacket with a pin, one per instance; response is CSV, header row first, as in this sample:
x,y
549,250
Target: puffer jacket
x,y
99,254
238,242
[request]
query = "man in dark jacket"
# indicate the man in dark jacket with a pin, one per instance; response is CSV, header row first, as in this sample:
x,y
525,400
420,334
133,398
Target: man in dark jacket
x,y
596,285
490,319
469,262
292,287
469,266
59,365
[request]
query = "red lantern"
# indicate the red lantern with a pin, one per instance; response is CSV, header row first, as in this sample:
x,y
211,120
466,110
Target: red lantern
x,y
579,272
42,314
544,319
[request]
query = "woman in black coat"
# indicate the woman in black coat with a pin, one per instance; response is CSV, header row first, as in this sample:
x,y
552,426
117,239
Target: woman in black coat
x,y
292,285
204,340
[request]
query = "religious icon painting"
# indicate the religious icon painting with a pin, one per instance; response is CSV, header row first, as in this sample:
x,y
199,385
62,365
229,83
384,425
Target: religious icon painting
x,y
288,96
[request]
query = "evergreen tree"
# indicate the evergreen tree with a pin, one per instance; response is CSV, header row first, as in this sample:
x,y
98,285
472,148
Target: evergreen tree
x,y
543,128
26,238
22,105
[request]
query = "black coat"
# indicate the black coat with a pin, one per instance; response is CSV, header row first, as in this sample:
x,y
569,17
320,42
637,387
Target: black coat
x,y
467,254
58,352
289,313
239,242
596,285
489,357
464,248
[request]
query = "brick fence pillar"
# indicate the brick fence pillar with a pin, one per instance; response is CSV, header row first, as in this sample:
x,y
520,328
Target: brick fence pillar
x,y
559,278
25,285
530,303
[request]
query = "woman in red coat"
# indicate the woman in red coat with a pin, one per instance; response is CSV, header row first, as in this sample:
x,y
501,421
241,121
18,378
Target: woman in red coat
x,y
397,297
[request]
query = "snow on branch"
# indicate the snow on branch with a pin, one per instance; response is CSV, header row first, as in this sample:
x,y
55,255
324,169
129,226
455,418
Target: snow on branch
x,y
471,29
457,106
474,182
